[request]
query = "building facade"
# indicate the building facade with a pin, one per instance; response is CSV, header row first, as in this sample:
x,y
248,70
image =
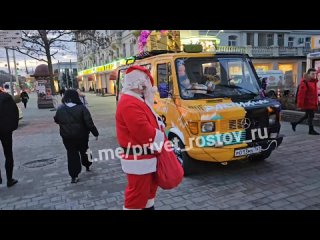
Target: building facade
x,y
270,50
284,50
66,74
98,59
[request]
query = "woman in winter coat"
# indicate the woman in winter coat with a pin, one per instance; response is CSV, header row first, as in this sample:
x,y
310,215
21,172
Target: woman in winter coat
x,y
24,98
307,99
75,124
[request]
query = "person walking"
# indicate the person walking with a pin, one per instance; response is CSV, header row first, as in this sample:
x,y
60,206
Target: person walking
x,y
75,124
138,125
24,98
83,98
9,119
307,99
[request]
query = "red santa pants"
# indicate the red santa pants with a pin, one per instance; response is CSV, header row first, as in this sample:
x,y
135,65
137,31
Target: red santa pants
x,y
141,189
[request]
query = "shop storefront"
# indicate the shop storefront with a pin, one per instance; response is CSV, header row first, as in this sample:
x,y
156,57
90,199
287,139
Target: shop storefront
x,y
101,79
292,69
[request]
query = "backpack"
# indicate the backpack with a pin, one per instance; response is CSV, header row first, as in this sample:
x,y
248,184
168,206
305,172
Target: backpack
x,y
296,99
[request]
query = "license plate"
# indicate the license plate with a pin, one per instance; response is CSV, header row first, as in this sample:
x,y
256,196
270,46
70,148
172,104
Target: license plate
x,y
247,151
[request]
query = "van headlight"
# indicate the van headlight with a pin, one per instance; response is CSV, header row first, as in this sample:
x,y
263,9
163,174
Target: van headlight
x,y
272,119
207,127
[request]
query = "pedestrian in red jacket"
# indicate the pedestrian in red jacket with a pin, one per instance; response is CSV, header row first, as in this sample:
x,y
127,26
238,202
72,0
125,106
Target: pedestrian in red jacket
x,y
138,134
308,99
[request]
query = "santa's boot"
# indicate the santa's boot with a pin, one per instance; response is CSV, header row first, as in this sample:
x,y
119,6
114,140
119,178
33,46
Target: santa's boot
x,y
149,208
312,131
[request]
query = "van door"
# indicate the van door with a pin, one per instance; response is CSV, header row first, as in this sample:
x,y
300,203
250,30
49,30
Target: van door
x,y
163,104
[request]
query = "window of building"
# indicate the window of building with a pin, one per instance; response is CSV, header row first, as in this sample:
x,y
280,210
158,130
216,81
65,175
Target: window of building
x,y
250,39
118,53
232,40
269,39
262,67
262,40
124,52
308,42
265,39
280,40
301,41
290,41
131,49
290,74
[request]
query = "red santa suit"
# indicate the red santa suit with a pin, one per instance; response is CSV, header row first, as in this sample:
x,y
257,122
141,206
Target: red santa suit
x,y
138,133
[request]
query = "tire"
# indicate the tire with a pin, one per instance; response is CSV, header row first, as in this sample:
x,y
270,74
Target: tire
x,y
183,157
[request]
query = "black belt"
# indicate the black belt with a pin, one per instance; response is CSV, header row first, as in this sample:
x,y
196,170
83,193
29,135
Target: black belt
x,y
130,151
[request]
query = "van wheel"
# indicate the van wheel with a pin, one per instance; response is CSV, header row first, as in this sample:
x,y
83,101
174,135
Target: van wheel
x,y
183,157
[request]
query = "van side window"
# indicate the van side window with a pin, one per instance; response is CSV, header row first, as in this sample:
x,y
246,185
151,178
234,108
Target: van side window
x,y
164,86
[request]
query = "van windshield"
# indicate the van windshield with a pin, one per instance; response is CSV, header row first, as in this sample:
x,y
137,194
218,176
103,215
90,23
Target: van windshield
x,y
216,77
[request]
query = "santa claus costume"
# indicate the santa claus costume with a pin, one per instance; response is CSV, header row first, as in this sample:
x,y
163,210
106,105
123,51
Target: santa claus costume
x,y
138,133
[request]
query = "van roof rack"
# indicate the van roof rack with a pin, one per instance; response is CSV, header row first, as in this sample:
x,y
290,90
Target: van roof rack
x,y
151,53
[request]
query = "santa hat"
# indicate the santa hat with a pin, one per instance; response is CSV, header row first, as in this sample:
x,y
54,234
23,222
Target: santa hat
x,y
136,77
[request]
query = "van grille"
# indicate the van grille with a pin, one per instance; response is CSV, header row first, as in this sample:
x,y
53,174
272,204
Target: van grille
x,y
235,124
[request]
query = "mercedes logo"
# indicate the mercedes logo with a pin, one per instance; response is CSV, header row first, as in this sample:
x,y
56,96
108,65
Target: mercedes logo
x,y
245,123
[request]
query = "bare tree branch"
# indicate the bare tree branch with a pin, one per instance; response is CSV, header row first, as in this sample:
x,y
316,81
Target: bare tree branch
x,y
27,54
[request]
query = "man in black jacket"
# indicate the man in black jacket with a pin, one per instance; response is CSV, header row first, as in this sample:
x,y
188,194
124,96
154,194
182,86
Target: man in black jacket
x,y
9,119
75,124
24,98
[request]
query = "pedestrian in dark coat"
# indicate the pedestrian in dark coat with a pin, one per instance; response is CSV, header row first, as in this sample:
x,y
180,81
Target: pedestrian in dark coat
x,y
24,98
9,119
307,99
75,124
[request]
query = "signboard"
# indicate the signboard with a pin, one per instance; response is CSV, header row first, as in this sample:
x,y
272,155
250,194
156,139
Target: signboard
x,y
44,89
10,38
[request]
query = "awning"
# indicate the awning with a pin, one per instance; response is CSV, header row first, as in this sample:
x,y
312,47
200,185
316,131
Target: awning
x,y
113,75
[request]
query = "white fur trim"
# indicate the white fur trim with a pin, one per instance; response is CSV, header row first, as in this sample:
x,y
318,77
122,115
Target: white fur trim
x,y
133,94
150,203
136,80
139,167
124,208
158,141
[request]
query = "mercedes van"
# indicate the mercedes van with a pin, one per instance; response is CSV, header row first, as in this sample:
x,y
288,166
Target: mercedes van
x,y
212,106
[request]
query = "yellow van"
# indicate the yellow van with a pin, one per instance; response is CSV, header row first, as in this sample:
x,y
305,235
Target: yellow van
x,y
212,106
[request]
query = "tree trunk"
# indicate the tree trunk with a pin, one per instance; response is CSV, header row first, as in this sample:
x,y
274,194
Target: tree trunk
x,y
44,37
50,71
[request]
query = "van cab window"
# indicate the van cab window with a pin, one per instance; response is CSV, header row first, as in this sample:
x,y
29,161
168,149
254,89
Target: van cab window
x,y
216,77
184,81
164,80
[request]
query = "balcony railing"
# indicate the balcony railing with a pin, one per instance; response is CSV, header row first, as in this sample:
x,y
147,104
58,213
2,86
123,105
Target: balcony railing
x,y
232,49
266,51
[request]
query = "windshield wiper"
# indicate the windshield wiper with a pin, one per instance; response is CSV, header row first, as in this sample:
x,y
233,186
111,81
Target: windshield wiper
x,y
237,87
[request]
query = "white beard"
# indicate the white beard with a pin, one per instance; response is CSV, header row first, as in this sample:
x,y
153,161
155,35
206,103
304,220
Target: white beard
x,y
149,95
149,98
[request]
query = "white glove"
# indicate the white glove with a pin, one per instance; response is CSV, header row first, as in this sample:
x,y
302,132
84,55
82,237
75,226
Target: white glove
x,y
161,123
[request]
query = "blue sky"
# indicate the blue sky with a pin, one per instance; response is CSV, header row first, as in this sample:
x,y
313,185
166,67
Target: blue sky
x,y
62,56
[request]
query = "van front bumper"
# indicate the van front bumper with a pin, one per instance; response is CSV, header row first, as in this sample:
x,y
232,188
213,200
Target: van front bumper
x,y
227,153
